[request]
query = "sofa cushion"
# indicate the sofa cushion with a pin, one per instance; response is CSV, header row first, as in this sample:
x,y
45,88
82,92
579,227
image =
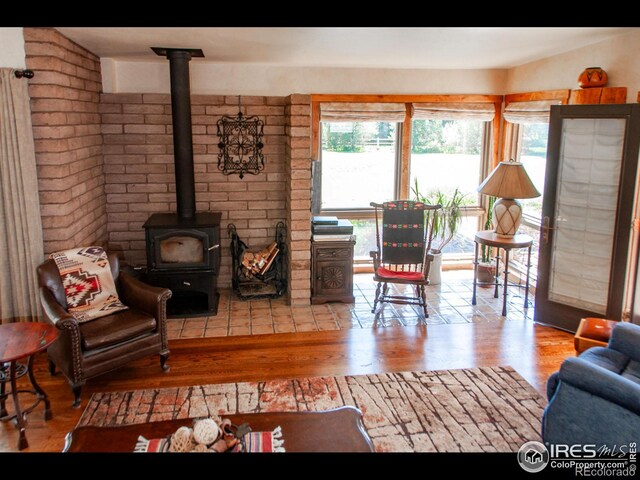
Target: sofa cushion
x,y
606,358
632,371
615,362
116,328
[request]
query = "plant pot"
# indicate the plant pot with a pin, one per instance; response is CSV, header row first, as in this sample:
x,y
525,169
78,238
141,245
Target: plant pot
x,y
486,274
435,272
592,77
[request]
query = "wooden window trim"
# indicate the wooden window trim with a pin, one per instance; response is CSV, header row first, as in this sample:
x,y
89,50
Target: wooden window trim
x,y
406,98
497,138
405,155
562,95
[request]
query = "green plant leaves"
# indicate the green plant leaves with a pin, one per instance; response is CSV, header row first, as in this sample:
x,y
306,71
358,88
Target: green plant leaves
x,y
446,220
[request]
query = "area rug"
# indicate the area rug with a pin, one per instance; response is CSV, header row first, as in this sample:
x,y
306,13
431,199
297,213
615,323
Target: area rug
x,y
484,409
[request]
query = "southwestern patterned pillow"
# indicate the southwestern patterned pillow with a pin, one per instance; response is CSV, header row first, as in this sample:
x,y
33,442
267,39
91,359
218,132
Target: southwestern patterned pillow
x,y
88,283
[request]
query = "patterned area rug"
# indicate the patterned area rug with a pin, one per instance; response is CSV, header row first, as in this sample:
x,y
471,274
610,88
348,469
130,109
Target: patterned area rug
x,y
469,410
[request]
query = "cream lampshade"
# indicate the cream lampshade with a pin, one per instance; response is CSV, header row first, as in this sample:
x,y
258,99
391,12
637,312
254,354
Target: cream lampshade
x,y
508,181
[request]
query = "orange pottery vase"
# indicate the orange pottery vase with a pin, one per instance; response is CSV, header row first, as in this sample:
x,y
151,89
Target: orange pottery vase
x,y
593,77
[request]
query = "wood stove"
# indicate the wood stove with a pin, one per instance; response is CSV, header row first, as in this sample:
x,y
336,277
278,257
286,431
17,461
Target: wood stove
x,y
184,256
183,248
174,243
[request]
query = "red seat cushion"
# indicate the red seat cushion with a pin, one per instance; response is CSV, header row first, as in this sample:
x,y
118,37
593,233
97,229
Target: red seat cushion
x,y
393,275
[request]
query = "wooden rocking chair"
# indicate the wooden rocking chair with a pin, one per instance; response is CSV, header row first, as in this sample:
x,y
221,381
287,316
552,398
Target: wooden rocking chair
x,y
403,254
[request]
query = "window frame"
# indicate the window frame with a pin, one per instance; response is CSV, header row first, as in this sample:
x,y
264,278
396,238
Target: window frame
x,y
485,159
527,219
408,100
489,155
397,169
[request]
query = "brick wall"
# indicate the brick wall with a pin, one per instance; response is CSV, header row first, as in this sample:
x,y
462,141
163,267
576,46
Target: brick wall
x,y
298,195
65,93
139,169
105,162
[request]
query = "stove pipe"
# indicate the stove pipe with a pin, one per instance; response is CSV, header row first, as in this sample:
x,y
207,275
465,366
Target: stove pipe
x,y
182,136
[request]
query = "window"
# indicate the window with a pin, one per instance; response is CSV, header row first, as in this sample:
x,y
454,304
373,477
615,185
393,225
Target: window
x,y
363,149
447,154
358,164
365,231
532,152
526,134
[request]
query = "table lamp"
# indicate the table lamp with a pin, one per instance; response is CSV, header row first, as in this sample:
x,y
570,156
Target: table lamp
x,y
508,181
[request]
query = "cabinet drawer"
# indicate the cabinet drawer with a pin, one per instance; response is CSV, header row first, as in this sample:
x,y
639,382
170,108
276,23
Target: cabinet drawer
x,y
328,253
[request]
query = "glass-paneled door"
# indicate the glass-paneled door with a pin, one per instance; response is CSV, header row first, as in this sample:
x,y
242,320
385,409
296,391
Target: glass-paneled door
x,y
587,212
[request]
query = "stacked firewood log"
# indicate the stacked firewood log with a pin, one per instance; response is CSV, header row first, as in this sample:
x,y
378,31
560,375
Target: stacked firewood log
x,y
258,263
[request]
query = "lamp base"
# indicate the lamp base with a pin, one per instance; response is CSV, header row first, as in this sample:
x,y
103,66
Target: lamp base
x,y
507,215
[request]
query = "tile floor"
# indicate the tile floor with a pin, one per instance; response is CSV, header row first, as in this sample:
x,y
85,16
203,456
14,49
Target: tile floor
x,y
449,302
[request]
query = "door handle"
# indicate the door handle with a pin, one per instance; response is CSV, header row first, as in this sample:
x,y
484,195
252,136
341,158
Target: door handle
x,y
546,221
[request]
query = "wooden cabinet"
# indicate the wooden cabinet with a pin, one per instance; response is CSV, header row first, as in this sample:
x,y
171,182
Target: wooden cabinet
x,y
332,272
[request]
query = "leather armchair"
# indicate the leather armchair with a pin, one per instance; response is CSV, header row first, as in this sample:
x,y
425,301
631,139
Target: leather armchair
x,y
86,350
595,397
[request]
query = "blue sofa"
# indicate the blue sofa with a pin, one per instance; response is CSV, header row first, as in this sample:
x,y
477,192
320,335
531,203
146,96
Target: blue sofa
x,y
595,397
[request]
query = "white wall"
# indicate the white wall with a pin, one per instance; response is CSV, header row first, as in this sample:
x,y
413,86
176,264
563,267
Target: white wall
x,y
619,56
124,76
11,47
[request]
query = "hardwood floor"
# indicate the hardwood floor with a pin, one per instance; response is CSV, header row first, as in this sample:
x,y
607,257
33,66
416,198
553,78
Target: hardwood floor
x,y
533,350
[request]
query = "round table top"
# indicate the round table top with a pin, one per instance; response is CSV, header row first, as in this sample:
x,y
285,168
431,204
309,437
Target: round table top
x,y
23,339
489,237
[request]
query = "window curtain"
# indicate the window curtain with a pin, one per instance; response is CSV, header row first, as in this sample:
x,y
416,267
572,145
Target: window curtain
x,y
21,248
362,112
529,112
483,112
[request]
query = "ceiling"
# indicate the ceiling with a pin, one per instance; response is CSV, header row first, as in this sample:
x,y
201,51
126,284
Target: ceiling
x,y
433,48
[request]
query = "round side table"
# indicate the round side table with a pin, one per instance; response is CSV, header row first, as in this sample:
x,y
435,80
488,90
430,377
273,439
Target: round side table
x,y
490,239
17,341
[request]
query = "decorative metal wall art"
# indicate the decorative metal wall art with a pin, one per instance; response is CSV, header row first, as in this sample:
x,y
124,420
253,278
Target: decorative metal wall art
x,y
240,144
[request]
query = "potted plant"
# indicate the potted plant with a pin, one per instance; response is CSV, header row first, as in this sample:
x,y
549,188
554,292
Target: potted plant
x,y
486,267
445,224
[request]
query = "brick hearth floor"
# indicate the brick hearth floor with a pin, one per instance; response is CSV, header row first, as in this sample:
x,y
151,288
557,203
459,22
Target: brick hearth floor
x,y
449,302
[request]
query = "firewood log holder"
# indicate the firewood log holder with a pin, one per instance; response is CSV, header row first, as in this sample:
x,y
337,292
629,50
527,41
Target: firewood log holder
x,y
271,284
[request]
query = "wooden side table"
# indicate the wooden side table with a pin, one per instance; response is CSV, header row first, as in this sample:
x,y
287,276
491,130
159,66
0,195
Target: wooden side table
x,y
17,341
490,239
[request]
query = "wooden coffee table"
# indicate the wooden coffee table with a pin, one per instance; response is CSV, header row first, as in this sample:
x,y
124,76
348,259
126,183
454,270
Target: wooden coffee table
x,y
338,430
17,341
